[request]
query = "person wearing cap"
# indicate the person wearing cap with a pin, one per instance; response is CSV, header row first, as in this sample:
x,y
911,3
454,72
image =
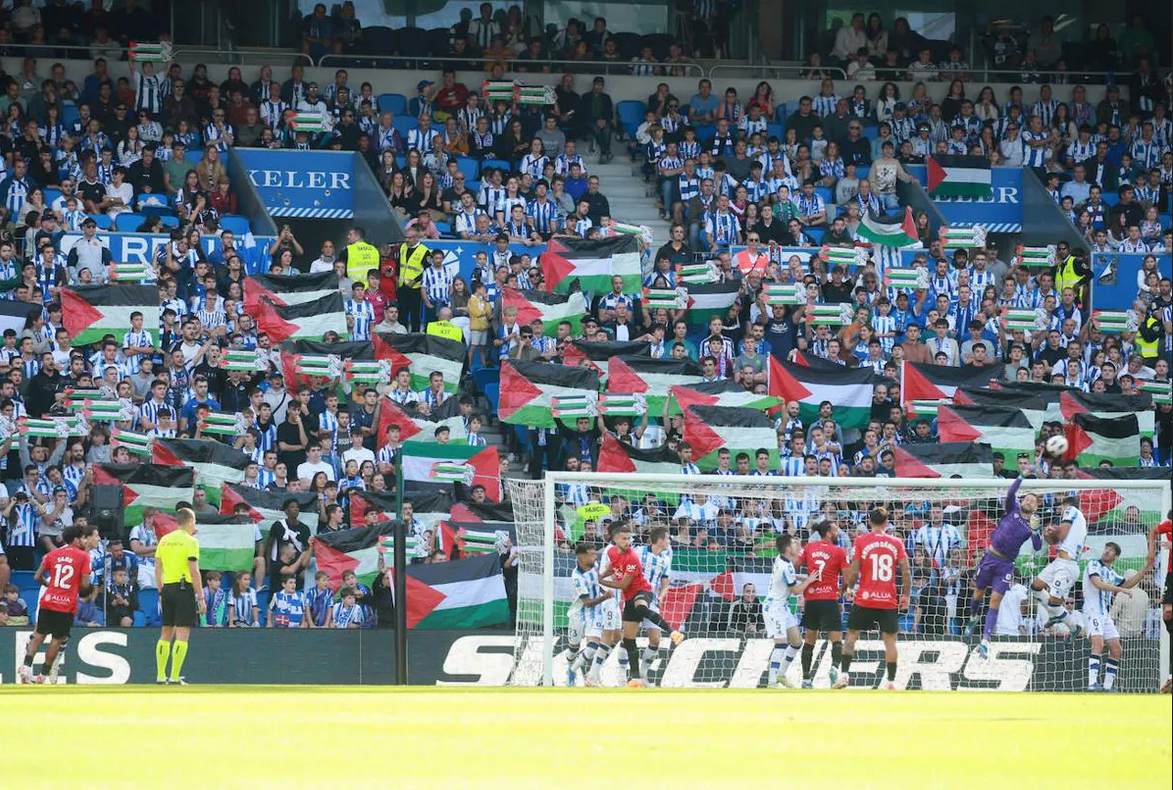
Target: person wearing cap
x,y
89,253
422,103
598,117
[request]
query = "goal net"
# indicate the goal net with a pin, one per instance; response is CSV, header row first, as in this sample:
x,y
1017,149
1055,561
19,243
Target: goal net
x,y
723,534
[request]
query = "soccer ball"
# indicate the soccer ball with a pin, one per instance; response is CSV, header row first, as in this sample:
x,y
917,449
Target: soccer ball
x,y
1057,446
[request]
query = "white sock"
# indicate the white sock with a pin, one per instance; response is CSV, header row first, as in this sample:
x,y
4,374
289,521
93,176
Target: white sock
x,y
1093,670
1111,666
776,657
788,659
601,654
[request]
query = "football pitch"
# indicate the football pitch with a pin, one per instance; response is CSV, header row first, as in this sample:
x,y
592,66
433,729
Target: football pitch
x,y
258,737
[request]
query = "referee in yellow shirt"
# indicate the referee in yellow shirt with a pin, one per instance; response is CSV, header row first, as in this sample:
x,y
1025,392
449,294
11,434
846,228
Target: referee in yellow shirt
x,y
177,576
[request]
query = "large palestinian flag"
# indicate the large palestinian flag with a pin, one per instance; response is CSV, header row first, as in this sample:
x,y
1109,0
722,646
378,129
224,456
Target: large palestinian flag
x,y
147,485
622,458
724,392
527,389
710,428
959,176
305,321
1004,428
946,459
652,378
265,507
592,263
418,427
426,465
1033,405
897,231
227,543
461,594
287,290
422,354
848,389
90,312
711,299
351,550
1074,401
550,309
920,381
1092,439
215,463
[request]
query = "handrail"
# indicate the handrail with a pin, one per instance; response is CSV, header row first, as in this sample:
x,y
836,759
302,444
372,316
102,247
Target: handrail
x,y
240,56
616,67
772,71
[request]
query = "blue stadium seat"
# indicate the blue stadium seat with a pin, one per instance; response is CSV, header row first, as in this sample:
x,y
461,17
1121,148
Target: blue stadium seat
x,y
871,132
444,228
69,114
826,194
148,605
630,114
1111,198
496,164
816,234
103,221
774,130
788,108
861,171
235,223
473,186
404,123
128,223
493,395
484,378
161,205
51,194
468,165
395,103
169,220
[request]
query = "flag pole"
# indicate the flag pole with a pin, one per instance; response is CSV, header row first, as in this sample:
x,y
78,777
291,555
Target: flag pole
x,y
400,602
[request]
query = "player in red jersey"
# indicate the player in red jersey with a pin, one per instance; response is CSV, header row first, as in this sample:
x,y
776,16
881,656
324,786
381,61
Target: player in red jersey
x,y
1165,529
821,611
65,573
876,557
626,574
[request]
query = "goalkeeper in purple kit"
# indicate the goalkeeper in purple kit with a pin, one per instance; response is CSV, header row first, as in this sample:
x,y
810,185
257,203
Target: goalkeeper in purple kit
x,y
996,569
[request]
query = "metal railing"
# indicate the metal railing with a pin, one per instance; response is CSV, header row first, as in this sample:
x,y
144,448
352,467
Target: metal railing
x,y
616,67
772,71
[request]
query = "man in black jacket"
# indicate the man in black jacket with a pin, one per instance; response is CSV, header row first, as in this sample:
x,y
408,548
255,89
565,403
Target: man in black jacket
x,y
42,387
597,117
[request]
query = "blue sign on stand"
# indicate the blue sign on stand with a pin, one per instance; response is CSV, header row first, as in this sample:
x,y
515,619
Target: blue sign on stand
x,y
302,184
460,257
999,213
142,247
1114,278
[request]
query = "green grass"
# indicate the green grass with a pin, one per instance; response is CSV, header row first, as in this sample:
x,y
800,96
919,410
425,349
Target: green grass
x,y
326,737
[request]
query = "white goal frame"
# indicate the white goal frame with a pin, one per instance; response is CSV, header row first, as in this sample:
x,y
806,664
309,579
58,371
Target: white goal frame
x,y
553,479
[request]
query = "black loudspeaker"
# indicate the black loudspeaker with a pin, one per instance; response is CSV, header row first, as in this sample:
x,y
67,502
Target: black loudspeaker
x,y
109,516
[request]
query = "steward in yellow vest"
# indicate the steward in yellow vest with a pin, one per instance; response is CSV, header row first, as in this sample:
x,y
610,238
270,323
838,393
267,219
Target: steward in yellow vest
x,y
359,256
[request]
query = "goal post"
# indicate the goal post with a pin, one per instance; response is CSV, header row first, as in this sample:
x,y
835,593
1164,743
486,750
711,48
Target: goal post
x,y
723,529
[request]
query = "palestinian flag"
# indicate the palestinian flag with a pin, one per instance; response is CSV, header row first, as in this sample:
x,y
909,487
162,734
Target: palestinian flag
x,y
595,353
386,504
422,354
527,389
265,507
919,381
227,543
305,321
146,485
592,262
622,458
809,360
725,392
889,231
551,309
90,312
461,594
351,550
287,290
308,122
1006,429
652,378
418,427
1033,404
497,513
946,459
1092,439
848,389
427,464
710,428
959,176
215,463
1074,401
713,299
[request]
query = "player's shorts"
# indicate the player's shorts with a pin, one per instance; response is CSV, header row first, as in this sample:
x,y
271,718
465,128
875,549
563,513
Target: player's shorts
x,y
779,619
865,618
994,573
822,615
179,607
584,623
1060,576
53,623
609,615
1167,598
1100,625
641,598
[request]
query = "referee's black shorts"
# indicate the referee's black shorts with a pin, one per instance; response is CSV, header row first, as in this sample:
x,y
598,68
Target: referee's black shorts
x,y
179,605
822,615
864,618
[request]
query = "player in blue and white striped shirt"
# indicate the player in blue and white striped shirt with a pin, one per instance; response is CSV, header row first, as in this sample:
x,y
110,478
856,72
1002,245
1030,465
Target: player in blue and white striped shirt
x,y
656,559
1100,582
585,618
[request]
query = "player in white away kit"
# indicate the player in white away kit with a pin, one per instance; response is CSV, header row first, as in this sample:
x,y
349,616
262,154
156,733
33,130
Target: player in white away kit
x,y
1060,575
656,558
781,624
585,616
611,613
1100,583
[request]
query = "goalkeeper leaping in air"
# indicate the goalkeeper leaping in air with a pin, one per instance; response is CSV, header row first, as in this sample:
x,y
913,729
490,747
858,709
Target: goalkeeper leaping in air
x,y
626,574
996,569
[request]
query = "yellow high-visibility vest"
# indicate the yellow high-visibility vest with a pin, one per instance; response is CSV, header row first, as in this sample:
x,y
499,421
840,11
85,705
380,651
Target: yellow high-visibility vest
x,y
360,259
411,266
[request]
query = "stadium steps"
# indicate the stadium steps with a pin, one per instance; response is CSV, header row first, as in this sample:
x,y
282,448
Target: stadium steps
x,y
627,195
